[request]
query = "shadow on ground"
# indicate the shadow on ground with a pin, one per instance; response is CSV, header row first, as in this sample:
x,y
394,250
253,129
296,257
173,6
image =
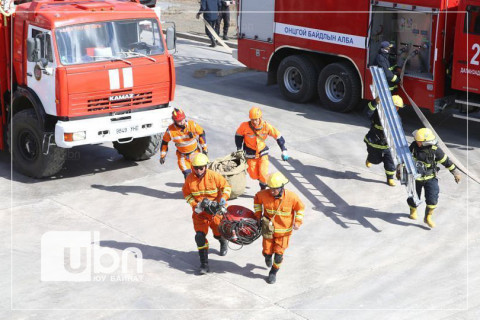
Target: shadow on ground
x,y
333,205
188,262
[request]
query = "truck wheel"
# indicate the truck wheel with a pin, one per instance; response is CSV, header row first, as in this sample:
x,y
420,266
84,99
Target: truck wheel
x,y
140,148
297,77
26,137
339,87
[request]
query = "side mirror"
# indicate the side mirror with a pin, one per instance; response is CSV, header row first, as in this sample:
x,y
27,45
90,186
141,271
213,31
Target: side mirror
x,y
33,49
171,38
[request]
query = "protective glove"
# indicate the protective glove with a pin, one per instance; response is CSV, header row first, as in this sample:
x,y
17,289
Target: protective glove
x,y
222,202
162,160
285,155
398,172
198,208
198,15
456,175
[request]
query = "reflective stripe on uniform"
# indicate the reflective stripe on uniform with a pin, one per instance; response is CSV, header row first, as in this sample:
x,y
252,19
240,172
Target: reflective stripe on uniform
x,y
204,247
431,206
430,176
278,212
202,192
390,172
379,127
227,191
377,146
283,230
299,215
443,159
190,199
257,207
394,78
185,143
277,265
451,167
371,107
180,137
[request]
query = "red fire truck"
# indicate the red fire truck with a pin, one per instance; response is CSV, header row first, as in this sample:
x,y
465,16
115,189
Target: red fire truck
x,y
76,72
324,48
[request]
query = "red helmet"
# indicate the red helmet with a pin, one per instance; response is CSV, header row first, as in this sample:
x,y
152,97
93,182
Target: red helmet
x,y
239,225
178,115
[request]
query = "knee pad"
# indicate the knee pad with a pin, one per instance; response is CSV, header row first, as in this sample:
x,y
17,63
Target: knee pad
x,y
200,239
278,258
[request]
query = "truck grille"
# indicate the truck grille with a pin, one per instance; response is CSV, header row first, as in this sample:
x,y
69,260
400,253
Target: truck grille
x,y
123,99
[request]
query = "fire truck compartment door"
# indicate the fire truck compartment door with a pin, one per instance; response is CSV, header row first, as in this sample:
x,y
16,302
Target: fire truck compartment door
x,y
466,57
39,79
257,19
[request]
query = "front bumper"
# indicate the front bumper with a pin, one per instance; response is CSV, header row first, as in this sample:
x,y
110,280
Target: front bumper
x,y
113,128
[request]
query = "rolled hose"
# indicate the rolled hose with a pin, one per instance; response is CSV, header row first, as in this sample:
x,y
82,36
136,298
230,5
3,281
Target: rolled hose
x,y
241,232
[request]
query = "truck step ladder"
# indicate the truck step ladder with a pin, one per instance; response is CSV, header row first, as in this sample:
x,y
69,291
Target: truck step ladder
x,y
393,129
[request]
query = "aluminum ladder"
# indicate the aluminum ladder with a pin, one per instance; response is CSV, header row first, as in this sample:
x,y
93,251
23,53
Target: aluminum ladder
x,y
394,134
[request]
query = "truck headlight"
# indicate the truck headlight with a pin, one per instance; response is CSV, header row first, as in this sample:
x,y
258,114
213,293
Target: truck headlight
x,y
75,136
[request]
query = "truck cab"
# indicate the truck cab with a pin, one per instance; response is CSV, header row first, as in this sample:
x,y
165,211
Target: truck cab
x,y
87,72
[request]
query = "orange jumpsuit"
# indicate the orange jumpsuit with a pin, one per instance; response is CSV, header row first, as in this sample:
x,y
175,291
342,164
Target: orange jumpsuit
x,y
187,141
256,151
212,186
289,209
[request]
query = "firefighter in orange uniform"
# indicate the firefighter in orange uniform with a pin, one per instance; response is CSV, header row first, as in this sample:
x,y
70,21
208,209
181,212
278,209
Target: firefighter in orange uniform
x,y
189,138
285,211
252,135
200,184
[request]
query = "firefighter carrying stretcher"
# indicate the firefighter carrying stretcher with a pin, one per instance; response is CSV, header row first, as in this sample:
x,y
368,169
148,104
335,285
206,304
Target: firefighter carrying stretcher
x,y
377,147
280,211
207,192
427,155
189,138
252,135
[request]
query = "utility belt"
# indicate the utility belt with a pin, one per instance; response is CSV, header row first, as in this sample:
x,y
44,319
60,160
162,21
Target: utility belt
x,y
252,154
186,154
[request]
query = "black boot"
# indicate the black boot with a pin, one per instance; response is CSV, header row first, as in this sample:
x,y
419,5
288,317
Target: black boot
x,y
272,276
225,37
213,44
268,260
203,253
223,247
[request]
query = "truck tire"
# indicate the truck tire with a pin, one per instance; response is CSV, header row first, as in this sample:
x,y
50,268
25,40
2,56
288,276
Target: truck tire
x,y
339,87
140,148
26,138
297,78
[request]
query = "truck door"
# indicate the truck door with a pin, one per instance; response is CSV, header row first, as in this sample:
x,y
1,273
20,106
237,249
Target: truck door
x,y
256,19
466,57
42,79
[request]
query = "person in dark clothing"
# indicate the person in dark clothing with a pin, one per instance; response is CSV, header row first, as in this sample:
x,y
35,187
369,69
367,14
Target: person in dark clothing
x,y
377,147
427,155
224,14
210,9
382,61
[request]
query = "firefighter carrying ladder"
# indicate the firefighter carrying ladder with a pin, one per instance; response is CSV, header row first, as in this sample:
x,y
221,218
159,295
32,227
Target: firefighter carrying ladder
x,y
393,130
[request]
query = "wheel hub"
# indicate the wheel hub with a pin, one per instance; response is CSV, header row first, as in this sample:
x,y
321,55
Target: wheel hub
x,y
292,78
28,145
335,88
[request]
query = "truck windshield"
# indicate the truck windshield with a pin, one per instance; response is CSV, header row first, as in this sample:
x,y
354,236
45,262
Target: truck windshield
x,y
100,41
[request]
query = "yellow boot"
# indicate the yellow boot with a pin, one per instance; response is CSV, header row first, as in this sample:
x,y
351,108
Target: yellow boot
x,y
428,217
368,164
413,213
391,182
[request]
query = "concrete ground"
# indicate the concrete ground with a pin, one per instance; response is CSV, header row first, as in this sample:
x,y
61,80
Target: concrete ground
x,y
357,256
